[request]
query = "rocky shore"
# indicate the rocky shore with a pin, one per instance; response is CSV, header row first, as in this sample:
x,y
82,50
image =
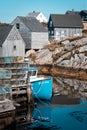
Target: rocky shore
x,y
67,58
63,71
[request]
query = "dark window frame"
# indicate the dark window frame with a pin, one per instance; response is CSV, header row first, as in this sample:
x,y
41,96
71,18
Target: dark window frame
x,y
17,25
14,47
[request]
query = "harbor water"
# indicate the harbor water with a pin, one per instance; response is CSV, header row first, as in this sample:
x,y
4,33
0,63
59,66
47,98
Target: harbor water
x,y
67,110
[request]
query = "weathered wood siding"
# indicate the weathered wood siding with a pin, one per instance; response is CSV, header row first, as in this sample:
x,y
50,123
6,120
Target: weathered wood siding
x,y
24,31
62,33
14,44
33,40
39,39
0,52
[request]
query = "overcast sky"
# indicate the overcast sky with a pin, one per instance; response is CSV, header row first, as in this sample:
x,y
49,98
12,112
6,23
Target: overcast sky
x,y
10,9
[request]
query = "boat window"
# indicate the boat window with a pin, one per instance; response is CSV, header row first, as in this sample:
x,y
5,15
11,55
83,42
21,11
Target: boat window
x,y
33,73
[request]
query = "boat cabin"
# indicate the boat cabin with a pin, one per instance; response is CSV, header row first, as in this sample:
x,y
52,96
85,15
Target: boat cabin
x,y
33,72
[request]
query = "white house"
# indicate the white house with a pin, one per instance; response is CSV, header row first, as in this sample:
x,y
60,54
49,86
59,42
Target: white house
x,y
38,15
11,42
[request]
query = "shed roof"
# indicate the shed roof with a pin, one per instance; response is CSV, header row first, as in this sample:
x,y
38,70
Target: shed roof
x,y
66,20
33,24
4,31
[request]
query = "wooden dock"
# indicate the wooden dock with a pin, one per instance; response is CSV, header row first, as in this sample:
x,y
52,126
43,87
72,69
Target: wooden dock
x,y
16,103
14,76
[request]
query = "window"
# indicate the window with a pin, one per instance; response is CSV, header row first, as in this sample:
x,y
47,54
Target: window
x,y
17,25
52,32
57,33
51,23
14,47
49,32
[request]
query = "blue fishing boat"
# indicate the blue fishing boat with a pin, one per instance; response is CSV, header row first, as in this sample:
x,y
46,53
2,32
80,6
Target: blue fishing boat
x,y
41,86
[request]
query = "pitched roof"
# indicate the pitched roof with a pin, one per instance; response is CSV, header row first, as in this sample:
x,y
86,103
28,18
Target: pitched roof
x,y
76,12
72,12
33,24
66,20
85,11
4,31
33,14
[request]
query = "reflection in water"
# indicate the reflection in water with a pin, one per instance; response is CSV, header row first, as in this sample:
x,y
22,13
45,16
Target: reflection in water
x,y
64,100
81,116
59,117
67,109
70,87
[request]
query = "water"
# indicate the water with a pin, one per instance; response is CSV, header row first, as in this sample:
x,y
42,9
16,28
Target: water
x,y
67,109
60,117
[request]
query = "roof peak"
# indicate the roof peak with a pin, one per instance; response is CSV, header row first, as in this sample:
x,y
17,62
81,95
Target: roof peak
x,y
64,14
33,24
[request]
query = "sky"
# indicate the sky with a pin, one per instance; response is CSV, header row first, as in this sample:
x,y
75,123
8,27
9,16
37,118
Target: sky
x,y
10,9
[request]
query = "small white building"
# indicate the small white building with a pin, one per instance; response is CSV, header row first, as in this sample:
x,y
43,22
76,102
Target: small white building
x,y
11,42
38,15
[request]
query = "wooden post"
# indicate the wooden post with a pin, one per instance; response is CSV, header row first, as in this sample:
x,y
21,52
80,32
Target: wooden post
x,y
29,91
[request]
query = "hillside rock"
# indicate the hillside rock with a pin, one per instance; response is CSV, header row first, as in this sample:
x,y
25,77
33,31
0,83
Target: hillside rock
x,y
44,57
68,53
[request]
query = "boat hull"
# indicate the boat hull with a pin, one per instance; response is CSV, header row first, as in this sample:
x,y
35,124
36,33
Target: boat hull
x,y
42,88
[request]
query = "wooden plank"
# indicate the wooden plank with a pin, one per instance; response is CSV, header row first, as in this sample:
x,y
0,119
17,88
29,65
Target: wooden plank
x,y
20,99
6,105
18,92
20,85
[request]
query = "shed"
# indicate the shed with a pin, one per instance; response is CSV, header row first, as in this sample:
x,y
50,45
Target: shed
x,y
11,42
61,26
33,33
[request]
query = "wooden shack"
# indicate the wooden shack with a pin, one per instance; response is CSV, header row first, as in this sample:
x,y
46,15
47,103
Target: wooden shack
x,y
11,42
